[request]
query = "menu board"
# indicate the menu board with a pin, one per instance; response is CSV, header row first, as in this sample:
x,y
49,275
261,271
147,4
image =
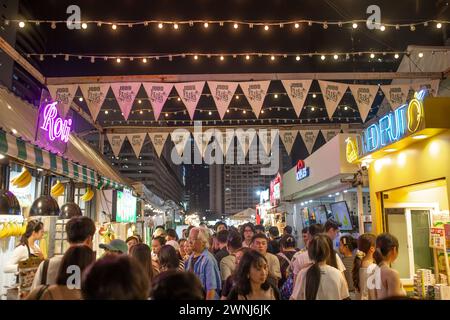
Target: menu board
x,y
126,206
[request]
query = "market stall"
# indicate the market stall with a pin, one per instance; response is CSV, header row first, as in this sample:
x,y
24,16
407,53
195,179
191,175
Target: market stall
x,y
407,153
325,185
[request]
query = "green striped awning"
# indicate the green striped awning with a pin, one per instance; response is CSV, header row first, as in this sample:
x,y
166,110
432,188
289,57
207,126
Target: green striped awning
x,y
33,155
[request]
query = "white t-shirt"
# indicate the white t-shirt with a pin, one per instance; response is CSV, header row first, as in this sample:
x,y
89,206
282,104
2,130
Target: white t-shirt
x,y
301,260
333,285
20,253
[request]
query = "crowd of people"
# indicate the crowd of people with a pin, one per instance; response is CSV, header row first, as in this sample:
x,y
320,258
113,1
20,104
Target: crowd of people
x,y
223,262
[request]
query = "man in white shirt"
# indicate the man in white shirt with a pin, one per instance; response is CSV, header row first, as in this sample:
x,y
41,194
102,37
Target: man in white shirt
x,y
80,231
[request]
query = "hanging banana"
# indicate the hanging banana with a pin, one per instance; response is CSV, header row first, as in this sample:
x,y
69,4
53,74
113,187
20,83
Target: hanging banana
x,y
22,180
57,189
88,195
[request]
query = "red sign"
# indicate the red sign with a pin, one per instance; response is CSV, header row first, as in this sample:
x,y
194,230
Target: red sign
x,y
300,165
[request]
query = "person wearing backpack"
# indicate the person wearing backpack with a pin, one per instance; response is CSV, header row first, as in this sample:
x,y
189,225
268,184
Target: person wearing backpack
x,y
286,283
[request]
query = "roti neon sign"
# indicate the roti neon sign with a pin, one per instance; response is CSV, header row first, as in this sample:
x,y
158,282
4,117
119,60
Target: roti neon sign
x,y
56,127
402,122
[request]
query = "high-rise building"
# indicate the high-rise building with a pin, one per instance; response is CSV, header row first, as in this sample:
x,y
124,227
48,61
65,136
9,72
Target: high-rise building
x,y
234,187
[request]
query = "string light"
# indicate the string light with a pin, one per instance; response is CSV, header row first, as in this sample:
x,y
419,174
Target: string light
x,y
160,25
84,25
178,99
53,25
141,112
272,58
118,60
336,57
439,25
276,96
372,55
296,26
396,56
297,58
247,57
22,24
382,28
235,26
221,58
195,57
266,27
420,54
206,24
312,109
114,27
209,113
314,95
144,60
237,97
355,25
139,101
175,26
322,57
413,27
80,99
106,112
244,112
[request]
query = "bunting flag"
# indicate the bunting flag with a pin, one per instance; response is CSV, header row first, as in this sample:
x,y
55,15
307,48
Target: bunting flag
x,y
266,139
125,94
255,92
180,138
158,140
245,139
222,93
396,95
288,138
157,94
297,92
332,93
431,85
137,141
64,95
95,95
364,97
116,141
330,134
309,138
190,93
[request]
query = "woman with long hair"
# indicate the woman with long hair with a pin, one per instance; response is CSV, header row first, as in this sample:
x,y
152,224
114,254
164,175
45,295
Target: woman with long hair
x,y
168,259
27,247
251,279
364,266
74,262
142,253
320,281
386,253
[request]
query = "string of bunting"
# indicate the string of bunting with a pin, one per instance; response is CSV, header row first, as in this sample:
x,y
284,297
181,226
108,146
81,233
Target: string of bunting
x,y
222,140
223,92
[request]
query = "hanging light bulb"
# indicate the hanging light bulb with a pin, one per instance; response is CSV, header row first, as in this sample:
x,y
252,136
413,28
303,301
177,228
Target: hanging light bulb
x,y
396,56
297,58
272,58
118,60
175,26
266,27
106,112
296,26
195,57
221,58
439,25
420,54
322,57
275,96
53,25
413,27
84,25
312,108
314,95
209,113
21,24
382,28
144,60
372,55
355,25
244,112
114,27
336,57
206,25
235,26
160,25
247,57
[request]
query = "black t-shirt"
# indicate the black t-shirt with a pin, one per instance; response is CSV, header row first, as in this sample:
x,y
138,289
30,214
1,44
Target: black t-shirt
x,y
234,295
220,254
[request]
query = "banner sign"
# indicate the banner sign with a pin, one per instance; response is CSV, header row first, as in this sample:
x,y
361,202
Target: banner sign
x,y
157,94
222,93
95,95
297,92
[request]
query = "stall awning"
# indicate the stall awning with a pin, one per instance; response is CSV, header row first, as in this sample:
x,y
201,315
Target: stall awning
x,y
79,162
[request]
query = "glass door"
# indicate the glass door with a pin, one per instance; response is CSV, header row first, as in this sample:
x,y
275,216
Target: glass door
x,y
420,225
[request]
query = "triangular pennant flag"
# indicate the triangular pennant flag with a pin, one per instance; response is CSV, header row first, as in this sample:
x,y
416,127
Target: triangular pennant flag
x,y
330,134
255,92
158,139
137,141
94,94
364,97
431,85
222,93
297,90
266,139
245,138
190,93
157,94
125,94
64,95
396,95
116,141
180,138
288,138
309,138
332,93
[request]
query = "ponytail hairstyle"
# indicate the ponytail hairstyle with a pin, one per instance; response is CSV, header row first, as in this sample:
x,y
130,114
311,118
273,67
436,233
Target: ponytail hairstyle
x,y
365,242
318,251
32,226
349,242
331,260
384,244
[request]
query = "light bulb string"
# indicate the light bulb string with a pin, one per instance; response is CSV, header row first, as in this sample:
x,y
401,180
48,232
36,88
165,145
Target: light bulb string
x,y
249,23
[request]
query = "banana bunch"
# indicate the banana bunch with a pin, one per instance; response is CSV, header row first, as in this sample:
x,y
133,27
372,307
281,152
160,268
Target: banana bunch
x,y
88,195
11,229
22,180
57,189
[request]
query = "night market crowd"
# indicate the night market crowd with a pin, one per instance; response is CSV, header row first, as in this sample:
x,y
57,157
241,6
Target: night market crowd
x,y
222,262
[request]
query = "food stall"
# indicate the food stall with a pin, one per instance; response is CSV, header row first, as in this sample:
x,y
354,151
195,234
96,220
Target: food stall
x,y
407,155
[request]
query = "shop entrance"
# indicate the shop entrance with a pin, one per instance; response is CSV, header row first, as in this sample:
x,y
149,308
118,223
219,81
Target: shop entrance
x,y
409,213
412,227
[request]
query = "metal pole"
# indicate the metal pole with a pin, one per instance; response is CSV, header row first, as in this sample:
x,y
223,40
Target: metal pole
x,y
360,209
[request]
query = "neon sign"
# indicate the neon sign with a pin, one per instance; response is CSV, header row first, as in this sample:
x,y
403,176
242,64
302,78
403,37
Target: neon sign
x,y
56,127
302,170
404,121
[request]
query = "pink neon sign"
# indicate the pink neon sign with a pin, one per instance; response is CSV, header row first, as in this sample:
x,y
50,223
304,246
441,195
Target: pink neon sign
x,y
56,127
